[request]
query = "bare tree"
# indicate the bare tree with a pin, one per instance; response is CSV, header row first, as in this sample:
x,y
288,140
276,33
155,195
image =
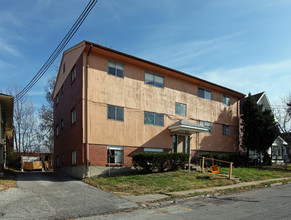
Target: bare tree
x,y
24,122
46,117
283,116
288,103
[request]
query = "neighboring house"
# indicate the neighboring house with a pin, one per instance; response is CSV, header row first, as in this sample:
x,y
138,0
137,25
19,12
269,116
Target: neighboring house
x,y
287,137
6,126
278,148
109,105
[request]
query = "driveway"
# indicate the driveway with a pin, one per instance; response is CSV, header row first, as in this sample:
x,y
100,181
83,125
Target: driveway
x,y
55,196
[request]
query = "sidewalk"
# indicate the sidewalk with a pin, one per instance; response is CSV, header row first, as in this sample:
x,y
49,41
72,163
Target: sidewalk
x,y
155,197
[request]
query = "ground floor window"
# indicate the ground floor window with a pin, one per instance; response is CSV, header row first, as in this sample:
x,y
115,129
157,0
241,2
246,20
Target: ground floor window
x,y
206,124
153,150
225,130
57,161
74,159
115,154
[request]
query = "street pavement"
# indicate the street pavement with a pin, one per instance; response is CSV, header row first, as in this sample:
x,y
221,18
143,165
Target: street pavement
x,y
268,203
55,196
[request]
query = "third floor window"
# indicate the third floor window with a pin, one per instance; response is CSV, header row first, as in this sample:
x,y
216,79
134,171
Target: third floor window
x,y
115,69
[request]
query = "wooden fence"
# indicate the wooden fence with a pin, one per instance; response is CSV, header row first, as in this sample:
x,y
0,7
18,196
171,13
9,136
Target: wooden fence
x,y
222,161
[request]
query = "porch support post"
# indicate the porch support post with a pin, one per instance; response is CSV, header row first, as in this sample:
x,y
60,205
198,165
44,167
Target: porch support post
x,y
189,147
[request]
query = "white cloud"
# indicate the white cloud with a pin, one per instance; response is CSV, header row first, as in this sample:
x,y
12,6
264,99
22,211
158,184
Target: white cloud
x,y
274,78
5,47
8,18
183,53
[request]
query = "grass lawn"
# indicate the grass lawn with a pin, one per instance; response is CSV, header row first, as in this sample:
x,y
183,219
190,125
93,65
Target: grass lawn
x,y
157,182
252,174
181,180
8,180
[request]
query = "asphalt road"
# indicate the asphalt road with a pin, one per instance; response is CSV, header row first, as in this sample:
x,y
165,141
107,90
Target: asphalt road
x,y
269,203
53,196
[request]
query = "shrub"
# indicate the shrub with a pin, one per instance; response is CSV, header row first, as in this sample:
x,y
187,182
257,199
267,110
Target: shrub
x,y
159,161
13,160
267,161
177,160
237,159
143,160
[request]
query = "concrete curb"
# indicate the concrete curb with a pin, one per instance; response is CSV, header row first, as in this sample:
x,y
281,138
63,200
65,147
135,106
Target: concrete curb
x,y
150,201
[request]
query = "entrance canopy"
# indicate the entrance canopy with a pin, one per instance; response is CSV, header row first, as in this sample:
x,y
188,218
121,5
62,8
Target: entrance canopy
x,y
186,127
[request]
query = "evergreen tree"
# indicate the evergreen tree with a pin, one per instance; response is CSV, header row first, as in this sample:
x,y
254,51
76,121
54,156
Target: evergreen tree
x,y
259,127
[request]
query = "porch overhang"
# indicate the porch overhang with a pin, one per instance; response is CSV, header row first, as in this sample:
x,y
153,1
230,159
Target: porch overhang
x,y
186,127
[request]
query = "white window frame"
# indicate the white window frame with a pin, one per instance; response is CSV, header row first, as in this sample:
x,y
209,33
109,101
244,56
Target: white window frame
x,y
206,124
204,94
153,150
116,109
73,114
154,119
73,74
226,100
181,105
224,131
116,66
153,82
115,148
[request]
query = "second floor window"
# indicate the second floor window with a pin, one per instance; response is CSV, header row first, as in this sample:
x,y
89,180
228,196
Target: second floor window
x,y
73,113
205,94
115,113
154,80
73,74
152,118
180,109
115,69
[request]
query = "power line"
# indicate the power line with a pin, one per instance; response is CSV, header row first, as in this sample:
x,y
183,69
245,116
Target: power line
x,y
58,50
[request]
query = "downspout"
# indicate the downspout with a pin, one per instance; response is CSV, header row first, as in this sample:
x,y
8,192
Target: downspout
x,y
87,113
239,120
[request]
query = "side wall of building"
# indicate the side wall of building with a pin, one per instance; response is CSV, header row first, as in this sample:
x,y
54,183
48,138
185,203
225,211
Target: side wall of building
x,y
70,135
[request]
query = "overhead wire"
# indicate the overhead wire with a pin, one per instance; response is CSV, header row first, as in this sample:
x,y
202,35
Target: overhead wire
x,y
58,50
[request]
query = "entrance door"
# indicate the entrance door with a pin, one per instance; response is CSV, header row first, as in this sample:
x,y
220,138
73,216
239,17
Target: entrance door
x,y
181,143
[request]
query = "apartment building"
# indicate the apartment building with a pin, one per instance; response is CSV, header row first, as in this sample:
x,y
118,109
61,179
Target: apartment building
x,y
109,105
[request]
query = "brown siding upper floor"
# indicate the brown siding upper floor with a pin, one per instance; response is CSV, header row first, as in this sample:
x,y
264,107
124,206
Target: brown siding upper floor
x,y
132,92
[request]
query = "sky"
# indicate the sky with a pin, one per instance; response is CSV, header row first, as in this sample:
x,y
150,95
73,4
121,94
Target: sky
x,y
243,45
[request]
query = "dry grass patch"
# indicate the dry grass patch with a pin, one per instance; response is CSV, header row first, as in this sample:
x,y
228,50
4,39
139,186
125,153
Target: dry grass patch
x,y
157,182
263,173
8,180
